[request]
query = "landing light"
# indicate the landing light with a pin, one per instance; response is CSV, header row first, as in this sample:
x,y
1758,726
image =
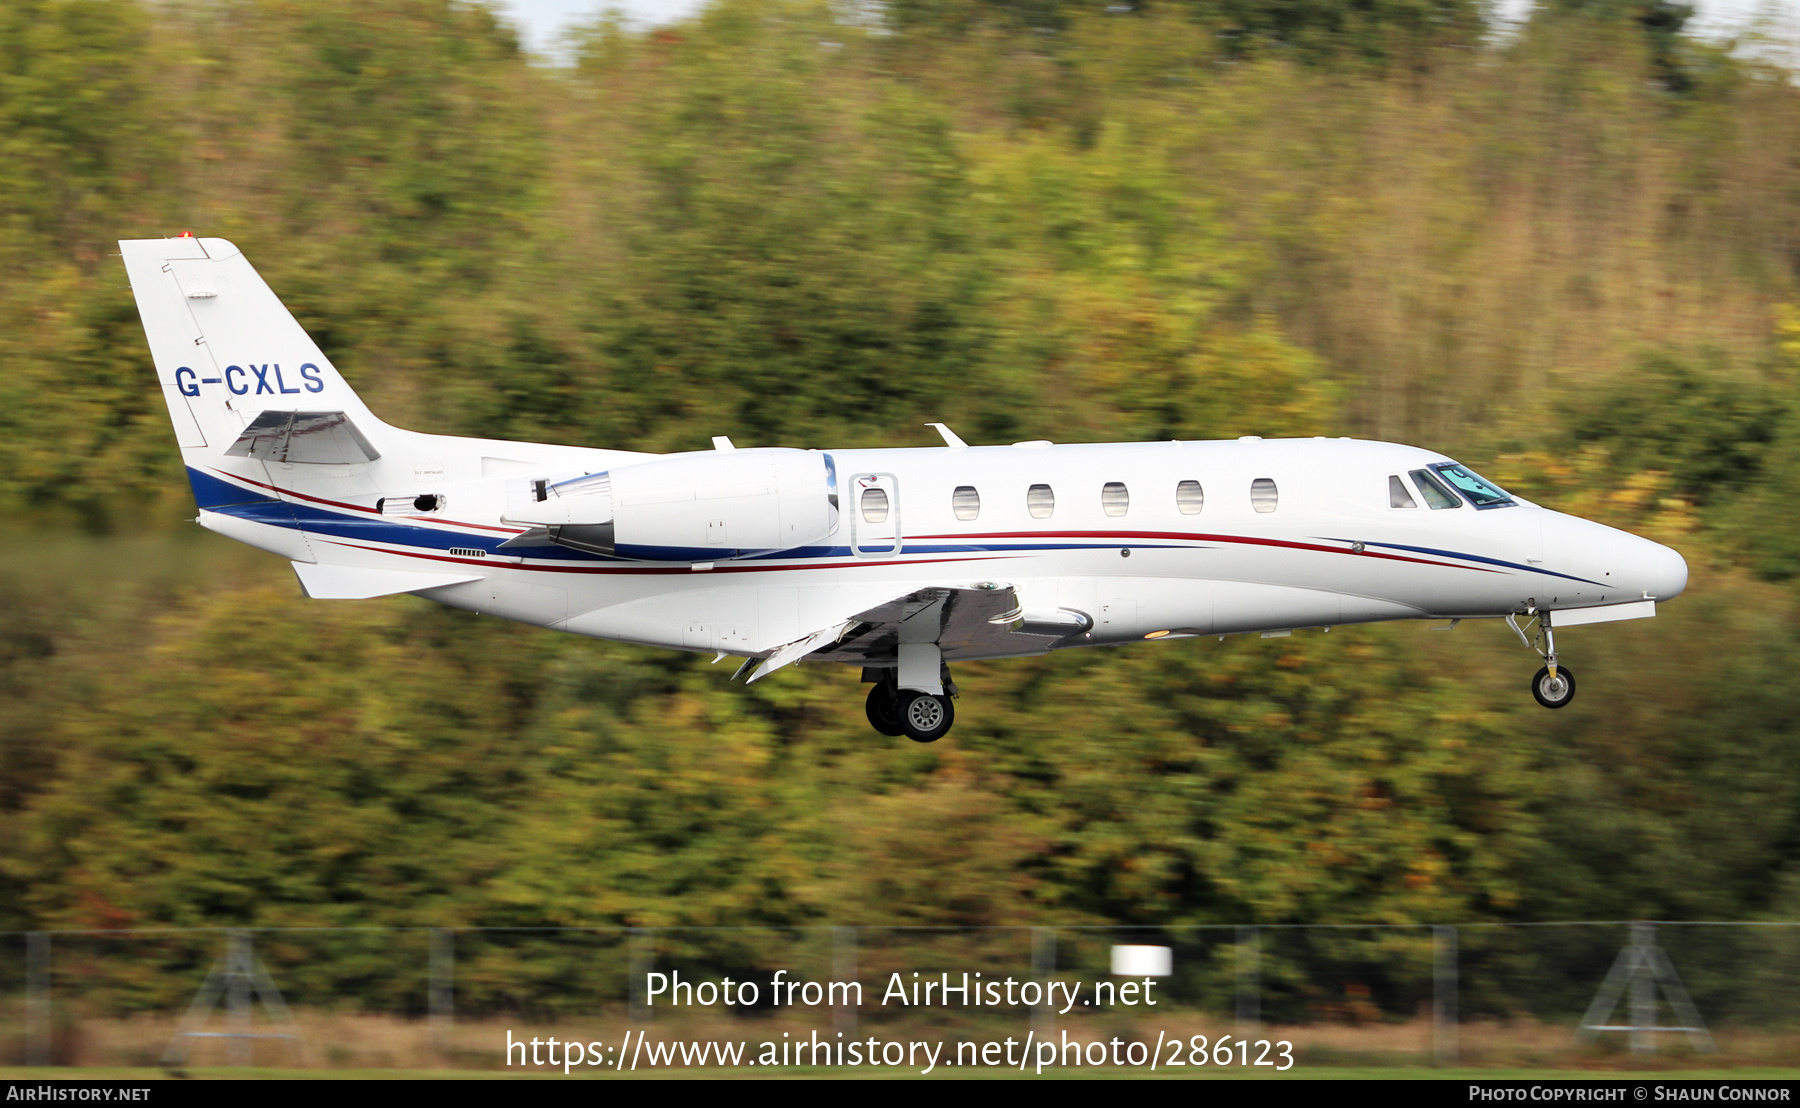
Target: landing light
x,y
1156,635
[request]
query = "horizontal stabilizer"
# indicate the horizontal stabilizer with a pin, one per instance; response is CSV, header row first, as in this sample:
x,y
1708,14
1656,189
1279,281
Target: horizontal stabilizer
x,y
322,438
329,582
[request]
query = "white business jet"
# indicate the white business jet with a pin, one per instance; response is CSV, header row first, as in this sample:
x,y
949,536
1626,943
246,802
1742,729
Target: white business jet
x,y
898,561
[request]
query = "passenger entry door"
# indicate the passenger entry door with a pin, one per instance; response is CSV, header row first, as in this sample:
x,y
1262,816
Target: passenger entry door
x,y
875,515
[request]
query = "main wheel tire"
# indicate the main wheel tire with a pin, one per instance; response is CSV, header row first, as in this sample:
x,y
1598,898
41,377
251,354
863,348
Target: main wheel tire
x,y
926,718
884,710
1554,692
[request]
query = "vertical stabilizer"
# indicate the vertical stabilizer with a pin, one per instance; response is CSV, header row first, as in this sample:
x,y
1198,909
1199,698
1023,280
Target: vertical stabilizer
x,y
226,349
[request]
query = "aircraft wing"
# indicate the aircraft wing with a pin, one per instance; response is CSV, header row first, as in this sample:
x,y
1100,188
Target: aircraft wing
x,y
979,621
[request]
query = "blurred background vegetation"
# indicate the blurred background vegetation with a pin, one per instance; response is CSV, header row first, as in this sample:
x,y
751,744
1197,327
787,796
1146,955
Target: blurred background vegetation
x,y
1566,255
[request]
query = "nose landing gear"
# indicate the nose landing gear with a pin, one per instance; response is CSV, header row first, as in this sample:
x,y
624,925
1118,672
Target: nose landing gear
x,y
1554,689
1554,685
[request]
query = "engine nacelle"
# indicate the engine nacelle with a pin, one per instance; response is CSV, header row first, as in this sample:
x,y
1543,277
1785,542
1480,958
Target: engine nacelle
x,y
696,507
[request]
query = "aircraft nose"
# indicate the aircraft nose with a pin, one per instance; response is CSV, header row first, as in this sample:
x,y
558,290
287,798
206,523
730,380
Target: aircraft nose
x,y
1615,559
1659,570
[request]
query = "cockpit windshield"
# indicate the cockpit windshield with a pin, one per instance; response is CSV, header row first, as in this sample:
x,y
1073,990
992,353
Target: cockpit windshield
x,y
1478,490
1433,490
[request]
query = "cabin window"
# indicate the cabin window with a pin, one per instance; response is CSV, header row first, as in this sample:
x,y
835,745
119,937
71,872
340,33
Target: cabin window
x,y
1115,498
1398,497
874,505
1433,490
965,502
1190,498
1479,491
1263,494
1040,501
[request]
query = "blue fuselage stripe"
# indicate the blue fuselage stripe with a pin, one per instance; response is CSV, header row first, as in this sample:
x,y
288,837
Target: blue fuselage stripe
x,y
213,494
1487,561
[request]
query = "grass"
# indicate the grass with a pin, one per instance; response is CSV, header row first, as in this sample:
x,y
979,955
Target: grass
x,y
1111,1073
345,1045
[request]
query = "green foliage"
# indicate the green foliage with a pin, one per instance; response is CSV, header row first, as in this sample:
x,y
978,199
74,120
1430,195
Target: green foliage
x,y
78,128
801,259
272,760
1708,428
1372,29
1661,21
1320,29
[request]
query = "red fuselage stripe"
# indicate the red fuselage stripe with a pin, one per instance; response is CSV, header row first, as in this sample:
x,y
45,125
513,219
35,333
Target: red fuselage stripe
x,y
1178,536
1193,536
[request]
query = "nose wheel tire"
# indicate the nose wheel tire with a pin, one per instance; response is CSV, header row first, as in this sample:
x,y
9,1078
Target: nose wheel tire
x,y
884,710
1554,692
926,718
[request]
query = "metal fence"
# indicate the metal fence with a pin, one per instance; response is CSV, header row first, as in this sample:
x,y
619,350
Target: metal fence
x,y
1434,993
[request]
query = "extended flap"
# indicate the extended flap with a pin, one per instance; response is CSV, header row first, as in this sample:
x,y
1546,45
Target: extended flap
x,y
981,620
800,648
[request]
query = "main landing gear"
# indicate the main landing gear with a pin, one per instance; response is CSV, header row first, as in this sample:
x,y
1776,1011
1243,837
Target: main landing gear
x,y
884,710
1554,685
921,717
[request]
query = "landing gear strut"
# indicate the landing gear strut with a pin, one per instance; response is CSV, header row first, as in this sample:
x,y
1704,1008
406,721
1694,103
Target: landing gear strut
x,y
1554,685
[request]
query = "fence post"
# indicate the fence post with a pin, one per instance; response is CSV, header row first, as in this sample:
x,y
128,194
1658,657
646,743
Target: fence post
x,y
1643,989
1043,967
1444,1018
38,1030
640,957
237,995
843,970
442,990
1249,983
